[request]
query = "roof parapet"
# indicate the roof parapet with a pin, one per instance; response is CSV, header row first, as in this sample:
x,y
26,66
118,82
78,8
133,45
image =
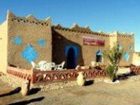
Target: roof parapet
x,y
79,28
48,19
29,18
122,33
10,15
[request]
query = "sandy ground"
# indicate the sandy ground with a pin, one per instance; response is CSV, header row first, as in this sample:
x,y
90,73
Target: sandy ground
x,y
127,92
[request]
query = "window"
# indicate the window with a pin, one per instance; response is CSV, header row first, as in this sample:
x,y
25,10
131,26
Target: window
x,y
99,56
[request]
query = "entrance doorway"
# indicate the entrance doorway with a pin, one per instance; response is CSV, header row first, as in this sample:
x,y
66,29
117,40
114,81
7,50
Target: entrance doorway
x,y
71,58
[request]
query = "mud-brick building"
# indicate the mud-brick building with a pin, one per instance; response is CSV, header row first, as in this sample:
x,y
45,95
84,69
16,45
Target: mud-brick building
x,y
26,39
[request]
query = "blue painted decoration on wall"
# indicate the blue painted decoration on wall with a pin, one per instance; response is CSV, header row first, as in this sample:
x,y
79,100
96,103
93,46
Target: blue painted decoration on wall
x,y
126,56
17,40
29,53
41,42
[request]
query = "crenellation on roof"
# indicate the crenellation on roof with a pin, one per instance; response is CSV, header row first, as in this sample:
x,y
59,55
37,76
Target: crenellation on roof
x,y
81,29
122,34
10,14
28,19
31,17
77,28
74,28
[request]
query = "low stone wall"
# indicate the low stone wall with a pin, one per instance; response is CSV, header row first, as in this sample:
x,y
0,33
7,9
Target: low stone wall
x,y
21,73
50,80
135,69
37,76
65,75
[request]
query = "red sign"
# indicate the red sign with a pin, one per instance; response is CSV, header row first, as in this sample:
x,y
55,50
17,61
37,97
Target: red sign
x,y
93,42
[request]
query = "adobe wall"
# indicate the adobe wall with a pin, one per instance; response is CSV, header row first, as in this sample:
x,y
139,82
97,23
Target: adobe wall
x,y
113,40
29,40
3,47
127,43
86,53
26,39
136,59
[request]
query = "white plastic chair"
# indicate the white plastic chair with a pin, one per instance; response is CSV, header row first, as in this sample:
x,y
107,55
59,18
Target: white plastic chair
x,y
60,66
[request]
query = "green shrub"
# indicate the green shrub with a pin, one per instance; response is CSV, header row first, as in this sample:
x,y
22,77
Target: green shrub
x,y
114,56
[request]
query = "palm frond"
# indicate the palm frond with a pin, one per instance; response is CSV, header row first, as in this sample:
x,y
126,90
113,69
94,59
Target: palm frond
x,y
114,55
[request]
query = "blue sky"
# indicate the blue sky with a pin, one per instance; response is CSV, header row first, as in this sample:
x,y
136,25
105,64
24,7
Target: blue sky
x,y
105,15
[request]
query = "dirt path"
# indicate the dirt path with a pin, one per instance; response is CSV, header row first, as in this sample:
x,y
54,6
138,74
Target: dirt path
x,y
127,92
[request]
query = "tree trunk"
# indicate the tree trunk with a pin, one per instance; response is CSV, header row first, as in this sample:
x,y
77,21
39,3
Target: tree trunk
x,y
115,74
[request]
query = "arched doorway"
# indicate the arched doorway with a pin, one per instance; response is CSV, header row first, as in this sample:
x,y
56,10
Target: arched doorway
x,y
99,56
71,58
